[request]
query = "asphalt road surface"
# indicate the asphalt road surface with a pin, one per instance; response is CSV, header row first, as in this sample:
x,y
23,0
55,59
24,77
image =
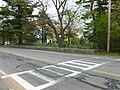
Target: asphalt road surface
x,y
43,70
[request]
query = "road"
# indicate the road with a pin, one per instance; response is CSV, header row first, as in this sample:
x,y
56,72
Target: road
x,y
43,70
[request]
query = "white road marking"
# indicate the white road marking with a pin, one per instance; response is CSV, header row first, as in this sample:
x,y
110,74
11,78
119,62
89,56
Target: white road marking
x,y
91,67
118,59
105,58
72,66
54,71
80,64
49,84
23,83
85,62
69,75
41,76
6,76
63,68
96,57
3,72
51,81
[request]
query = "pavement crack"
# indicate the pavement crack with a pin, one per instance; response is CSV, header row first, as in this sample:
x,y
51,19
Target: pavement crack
x,y
28,65
109,83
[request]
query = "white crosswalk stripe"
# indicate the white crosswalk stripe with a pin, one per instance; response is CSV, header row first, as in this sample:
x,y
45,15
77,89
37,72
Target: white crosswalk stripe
x,y
41,76
60,69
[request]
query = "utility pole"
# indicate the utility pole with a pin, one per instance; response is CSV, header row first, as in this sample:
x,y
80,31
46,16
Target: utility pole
x,y
109,24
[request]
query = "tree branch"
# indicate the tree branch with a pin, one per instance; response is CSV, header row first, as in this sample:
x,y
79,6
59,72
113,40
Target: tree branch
x,y
70,19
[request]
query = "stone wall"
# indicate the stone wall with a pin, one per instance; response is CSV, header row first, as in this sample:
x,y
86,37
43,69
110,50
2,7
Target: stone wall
x,y
54,49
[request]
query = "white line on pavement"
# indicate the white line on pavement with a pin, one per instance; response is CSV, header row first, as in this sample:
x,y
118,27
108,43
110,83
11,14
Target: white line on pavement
x,y
85,62
96,57
41,76
23,83
51,81
49,84
91,67
61,68
6,76
3,72
53,71
80,64
72,66
118,59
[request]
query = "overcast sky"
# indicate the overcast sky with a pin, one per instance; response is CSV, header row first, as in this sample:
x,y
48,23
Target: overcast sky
x,y
51,10
1,3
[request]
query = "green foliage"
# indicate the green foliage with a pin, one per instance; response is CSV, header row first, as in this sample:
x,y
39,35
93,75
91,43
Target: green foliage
x,y
96,29
45,44
15,15
107,54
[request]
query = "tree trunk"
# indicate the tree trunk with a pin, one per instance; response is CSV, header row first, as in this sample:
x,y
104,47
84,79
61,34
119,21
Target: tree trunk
x,y
61,42
20,39
3,39
44,37
10,40
68,41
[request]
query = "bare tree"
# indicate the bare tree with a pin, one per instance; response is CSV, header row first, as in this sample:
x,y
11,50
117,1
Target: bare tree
x,y
61,9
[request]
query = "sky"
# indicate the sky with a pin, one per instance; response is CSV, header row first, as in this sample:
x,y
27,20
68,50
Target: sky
x,y
51,9
2,3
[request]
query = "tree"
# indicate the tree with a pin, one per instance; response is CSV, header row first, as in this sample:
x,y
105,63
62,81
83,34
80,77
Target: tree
x,y
96,28
74,28
43,24
16,12
59,30
115,26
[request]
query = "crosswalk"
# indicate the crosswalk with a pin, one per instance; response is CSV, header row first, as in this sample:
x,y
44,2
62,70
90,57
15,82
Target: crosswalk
x,y
52,74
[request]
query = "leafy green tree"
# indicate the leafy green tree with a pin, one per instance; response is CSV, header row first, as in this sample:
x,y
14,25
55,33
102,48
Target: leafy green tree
x,y
16,12
96,28
115,26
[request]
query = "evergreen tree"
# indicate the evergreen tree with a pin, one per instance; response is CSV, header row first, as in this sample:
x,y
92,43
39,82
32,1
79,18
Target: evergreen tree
x,y
16,13
96,29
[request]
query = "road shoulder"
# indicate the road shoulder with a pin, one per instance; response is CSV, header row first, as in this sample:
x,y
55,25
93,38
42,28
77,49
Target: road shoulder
x,y
9,84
